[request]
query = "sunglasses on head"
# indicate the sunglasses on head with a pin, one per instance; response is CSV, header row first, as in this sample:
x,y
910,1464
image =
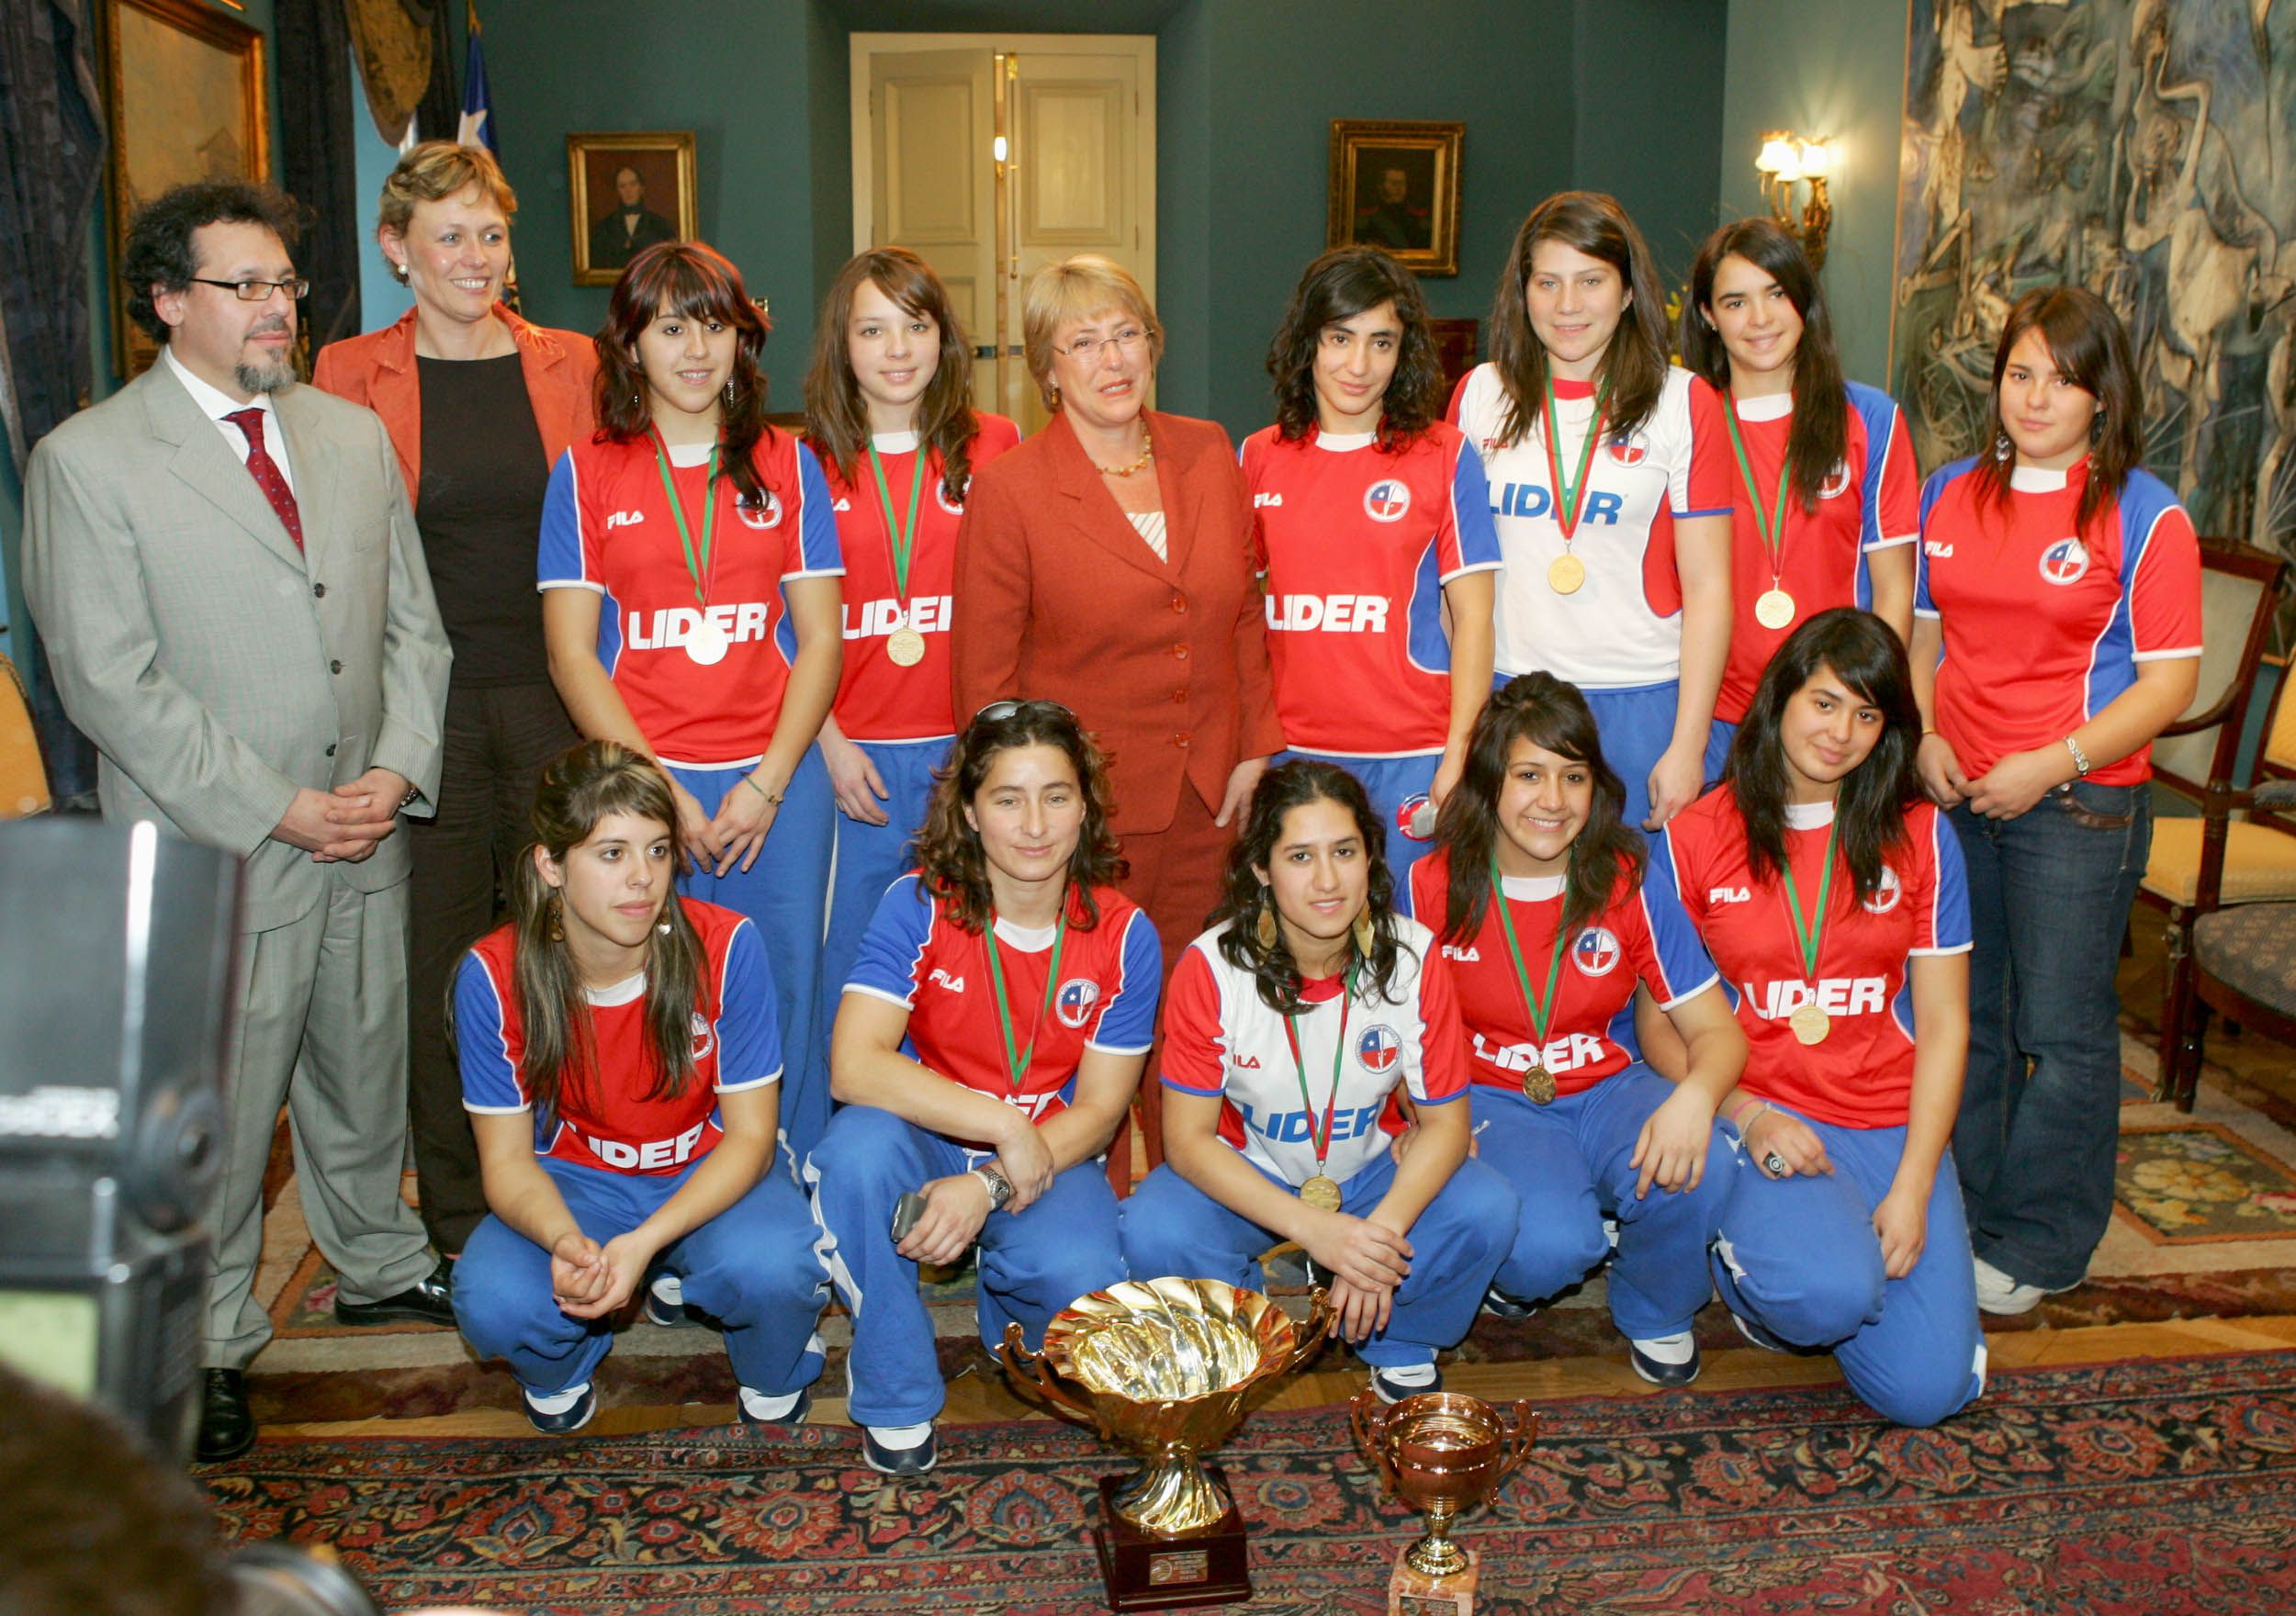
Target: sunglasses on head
x,y
997,712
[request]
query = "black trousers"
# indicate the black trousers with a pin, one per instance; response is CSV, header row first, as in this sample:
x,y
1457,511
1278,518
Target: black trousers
x,y
497,739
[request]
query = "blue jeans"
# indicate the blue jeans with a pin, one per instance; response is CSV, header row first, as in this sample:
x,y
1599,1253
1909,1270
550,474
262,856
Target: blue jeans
x,y
2049,895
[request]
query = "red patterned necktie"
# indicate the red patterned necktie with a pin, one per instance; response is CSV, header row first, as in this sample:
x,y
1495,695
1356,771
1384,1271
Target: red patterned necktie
x,y
267,475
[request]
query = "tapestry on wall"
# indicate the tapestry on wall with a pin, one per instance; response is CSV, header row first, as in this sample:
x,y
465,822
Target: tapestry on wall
x,y
2145,149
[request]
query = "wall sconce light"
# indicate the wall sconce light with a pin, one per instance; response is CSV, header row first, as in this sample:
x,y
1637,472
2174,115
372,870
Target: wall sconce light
x,y
1784,160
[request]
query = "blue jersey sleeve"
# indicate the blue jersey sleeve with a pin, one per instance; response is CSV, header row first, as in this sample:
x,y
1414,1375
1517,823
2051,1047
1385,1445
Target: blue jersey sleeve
x,y
893,948
558,561
489,1082
1470,509
749,1028
1949,911
1681,954
1128,1020
817,551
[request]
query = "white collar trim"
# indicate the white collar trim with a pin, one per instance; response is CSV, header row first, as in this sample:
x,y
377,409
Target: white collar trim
x,y
1531,889
1809,815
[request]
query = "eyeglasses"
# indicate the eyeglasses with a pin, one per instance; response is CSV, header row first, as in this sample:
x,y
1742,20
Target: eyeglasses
x,y
256,291
1086,349
997,712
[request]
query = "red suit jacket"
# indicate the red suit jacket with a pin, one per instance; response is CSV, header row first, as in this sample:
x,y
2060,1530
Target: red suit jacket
x,y
1058,596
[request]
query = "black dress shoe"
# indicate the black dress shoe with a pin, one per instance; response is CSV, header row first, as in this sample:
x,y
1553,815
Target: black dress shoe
x,y
427,1301
227,1429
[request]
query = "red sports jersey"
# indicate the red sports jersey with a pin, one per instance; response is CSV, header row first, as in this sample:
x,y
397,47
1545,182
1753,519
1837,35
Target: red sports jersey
x,y
877,699
608,1121
606,525
1621,628
1356,545
1219,1037
1862,1074
1870,501
2044,627
1643,935
916,956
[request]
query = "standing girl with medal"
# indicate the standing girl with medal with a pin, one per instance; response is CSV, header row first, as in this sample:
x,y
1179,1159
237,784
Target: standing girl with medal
x,y
1373,522
888,409
1295,1024
1613,514
2056,630
990,1037
1832,898
689,569
1827,498
1535,868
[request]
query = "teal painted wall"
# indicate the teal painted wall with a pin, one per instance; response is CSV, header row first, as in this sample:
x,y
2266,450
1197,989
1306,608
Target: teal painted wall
x,y
1835,70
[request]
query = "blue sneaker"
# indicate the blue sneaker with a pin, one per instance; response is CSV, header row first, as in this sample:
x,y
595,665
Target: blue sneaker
x,y
913,1461
566,1421
1394,1391
795,1417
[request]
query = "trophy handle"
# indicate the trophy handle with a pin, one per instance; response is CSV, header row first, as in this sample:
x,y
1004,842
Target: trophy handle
x,y
1519,1423
1030,1369
1367,1417
1321,1313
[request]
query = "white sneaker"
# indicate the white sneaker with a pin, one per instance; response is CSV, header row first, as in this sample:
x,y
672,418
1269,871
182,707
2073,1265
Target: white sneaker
x,y
1997,1293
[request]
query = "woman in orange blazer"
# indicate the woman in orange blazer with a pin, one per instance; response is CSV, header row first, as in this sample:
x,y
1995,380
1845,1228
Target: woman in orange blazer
x,y
480,405
1106,564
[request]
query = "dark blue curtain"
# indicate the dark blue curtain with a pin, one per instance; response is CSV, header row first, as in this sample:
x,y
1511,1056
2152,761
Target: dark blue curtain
x,y
316,163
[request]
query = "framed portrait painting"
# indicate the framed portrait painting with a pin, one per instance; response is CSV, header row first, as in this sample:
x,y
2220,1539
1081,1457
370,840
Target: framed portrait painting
x,y
627,192
1397,186
183,97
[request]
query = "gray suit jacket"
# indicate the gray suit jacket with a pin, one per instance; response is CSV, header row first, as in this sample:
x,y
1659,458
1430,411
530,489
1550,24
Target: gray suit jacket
x,y
215,667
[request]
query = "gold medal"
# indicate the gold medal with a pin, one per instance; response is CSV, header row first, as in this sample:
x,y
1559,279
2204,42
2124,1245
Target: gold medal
x,y
1809,1023
904,647
1321,1193
706,642
1539,1086
1774,609
1565,573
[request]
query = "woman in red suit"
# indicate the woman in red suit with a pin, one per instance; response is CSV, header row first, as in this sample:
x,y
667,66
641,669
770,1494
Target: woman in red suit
x,y
1105,564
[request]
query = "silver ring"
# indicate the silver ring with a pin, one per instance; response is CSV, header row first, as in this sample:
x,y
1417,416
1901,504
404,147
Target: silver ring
x,y
1775,1165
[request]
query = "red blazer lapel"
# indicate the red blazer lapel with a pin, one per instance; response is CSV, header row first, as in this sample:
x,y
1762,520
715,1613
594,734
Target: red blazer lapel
x,y
1094,512
1181,489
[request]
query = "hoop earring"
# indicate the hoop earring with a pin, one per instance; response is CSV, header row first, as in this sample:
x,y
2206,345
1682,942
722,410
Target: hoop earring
x,y
1264,928
2002,447
1363,935
557,915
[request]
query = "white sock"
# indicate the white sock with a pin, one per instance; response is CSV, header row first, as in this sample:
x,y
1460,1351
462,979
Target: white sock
x,y
556,1402
757,1406
1409,1375
1678,1348
901,1437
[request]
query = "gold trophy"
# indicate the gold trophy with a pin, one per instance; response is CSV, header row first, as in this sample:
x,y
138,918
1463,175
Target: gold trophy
x,y
1442,1454
1168,1365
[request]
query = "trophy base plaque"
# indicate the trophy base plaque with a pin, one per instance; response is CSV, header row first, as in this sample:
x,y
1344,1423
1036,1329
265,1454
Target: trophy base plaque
x,y
1414,1593
1147,1571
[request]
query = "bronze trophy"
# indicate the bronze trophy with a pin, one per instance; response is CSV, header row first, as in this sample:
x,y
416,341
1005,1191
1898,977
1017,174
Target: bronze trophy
x,y
1442,1454
1168,1364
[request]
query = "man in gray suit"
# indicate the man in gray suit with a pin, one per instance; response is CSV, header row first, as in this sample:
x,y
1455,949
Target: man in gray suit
x,y
228,579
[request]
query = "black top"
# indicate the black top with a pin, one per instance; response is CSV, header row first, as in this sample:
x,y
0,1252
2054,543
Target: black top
x,y
480,511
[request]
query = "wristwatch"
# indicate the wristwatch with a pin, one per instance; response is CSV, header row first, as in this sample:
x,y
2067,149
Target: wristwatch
x,y
999,1187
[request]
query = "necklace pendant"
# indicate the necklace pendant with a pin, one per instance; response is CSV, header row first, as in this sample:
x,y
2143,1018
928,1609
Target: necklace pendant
x,y
1565,574
1809,1023
1774,609
1539,1086
707,642
1321,1193
904,647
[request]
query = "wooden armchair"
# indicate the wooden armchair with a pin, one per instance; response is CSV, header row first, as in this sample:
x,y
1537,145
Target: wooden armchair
x,y
2201,864
2243,959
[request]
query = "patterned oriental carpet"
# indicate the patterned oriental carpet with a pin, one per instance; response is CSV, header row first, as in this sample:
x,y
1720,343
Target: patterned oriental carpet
x,y
2152,1489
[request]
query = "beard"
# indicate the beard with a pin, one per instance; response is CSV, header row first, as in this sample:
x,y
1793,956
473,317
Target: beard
x,y
265,376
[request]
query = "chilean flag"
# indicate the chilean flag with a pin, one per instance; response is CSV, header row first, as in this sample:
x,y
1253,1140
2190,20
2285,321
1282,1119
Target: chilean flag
x,y
477,128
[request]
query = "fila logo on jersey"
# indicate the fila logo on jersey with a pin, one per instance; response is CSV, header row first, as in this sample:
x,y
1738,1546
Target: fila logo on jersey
x,y
1836,481
1887,894
842,505
2063,562
760,517
1632,450
1532,500
1469,955
1387,500
615,519
1077,996
1247,1062
941,978
1595,953
650,1157
672,626
1334,614
704,1038
1378,1048
1835,995
1729,895
1937,551
1260,500
927,614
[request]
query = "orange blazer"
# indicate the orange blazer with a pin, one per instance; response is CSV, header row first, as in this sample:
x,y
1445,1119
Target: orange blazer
x,y
379,371
1058,596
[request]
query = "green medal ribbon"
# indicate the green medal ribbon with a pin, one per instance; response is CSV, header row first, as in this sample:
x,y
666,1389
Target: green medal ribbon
x,y
1322,1142
1541,1010
902,539
1773,533
1016,1058
1810,935
1570,495
678,515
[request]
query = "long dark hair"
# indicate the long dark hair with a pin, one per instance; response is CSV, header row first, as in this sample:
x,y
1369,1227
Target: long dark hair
x,y
1550,713
1282,788
837,415
1866,656
948,849
694,282
579,788
2090,347
1819,438
1634,364
1339,285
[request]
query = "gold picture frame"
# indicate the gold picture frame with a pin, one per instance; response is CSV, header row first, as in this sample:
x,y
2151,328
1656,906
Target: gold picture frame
x,y
607,235
184,100
1396,185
